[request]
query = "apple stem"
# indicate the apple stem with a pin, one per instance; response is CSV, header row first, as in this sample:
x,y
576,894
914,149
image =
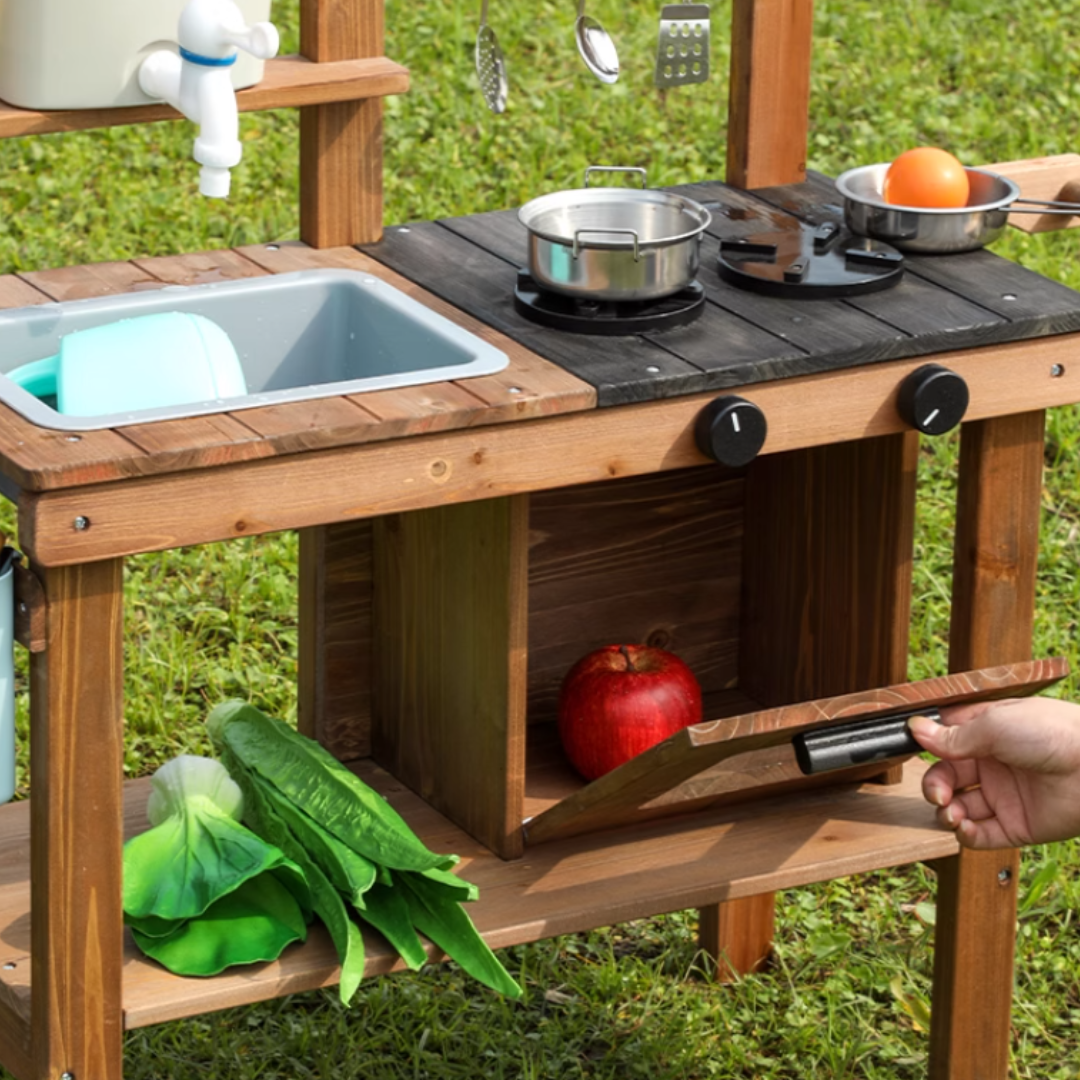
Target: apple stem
x,y
626,653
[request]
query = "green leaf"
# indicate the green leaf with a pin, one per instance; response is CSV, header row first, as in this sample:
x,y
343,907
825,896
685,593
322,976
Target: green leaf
x,y
387,909
445,922
349,872
326,900
460,889
312,778
254,922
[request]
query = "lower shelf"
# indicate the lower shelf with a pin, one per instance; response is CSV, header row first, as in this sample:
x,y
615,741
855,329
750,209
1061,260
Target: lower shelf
x,y
561,887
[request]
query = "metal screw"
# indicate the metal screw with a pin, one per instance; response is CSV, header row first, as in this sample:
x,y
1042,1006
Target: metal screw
x,y
9,966
1056,371
81,523
1004,876
67,1076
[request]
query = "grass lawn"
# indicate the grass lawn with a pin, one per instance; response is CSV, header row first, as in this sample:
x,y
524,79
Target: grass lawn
x,y
848,994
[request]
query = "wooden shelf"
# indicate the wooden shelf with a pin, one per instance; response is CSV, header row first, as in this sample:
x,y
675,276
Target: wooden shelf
x,y
288,82
562,887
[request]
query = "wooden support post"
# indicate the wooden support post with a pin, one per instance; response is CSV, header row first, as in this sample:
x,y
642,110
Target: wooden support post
x,y
450,627
997,536
769,97
826,603
341,159
76,764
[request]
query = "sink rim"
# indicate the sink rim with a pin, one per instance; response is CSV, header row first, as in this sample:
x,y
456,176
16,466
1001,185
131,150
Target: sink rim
x,y
486,359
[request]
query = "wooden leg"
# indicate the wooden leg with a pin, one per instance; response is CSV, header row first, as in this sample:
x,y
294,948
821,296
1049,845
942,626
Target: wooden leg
x,y
738,935
997,535
76,839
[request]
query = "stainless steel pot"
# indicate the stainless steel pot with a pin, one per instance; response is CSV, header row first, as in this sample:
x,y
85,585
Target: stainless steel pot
x,y
932,231
614,243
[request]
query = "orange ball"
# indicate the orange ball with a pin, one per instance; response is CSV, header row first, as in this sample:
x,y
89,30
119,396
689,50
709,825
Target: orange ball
x,y
927,177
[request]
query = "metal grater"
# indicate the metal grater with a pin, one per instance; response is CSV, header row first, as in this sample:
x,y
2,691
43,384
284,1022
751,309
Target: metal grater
x,y
682,54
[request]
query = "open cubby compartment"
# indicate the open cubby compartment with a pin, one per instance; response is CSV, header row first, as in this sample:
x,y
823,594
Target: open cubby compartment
x,y
449,630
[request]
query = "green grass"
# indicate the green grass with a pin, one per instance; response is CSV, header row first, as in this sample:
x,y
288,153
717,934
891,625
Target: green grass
x,y
848,993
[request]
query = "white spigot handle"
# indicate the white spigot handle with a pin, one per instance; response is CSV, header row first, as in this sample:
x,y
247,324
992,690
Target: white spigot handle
x,y
261,40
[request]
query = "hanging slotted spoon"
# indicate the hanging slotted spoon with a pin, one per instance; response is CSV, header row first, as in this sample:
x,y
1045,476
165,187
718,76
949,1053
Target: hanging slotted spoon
x,y
490,65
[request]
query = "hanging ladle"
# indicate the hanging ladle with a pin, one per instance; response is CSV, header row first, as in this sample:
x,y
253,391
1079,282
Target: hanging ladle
x,y
596,47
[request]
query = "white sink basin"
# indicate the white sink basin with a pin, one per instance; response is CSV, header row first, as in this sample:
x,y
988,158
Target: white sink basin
x,y
311,334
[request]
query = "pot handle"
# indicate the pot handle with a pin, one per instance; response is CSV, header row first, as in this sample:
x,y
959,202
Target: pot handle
x,y
616,168
606,232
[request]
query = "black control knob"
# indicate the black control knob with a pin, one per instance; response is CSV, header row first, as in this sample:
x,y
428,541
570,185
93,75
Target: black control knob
x,y
731,430
932,399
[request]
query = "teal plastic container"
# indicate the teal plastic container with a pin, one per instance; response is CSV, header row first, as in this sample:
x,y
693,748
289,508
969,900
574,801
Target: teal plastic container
x,y
148,362
7,678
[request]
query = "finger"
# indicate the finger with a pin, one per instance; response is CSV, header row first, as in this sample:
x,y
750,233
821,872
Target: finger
x,y
983,834
967,805
944,778
970,739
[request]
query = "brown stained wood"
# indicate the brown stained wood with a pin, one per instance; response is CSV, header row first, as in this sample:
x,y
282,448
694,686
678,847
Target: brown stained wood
x,y
653,559
16,293
1055,178
560,888
997,538
195,442
529,386
738,935
341,156
76,768
95,279
200,268
769,92
335,652
288,81
297,426
829,537
450,625
996,549
30,608
622,795
476,463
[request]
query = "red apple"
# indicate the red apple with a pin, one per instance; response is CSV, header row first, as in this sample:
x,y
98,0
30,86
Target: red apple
x,y
620,700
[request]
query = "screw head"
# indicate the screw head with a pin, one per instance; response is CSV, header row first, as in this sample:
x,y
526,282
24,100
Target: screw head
x,y
1004,876
81,524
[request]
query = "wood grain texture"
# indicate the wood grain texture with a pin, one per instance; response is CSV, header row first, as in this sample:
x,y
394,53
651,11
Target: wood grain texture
x,y
996,551
738,935
30,606
335,650
622,796
14,1039
560,888
450,624
829,535
288,81
349,483
769,91
76,766
655,560
341,155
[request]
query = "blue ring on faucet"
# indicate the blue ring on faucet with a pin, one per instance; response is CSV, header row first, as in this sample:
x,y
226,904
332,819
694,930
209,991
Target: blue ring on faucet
x,y
207,61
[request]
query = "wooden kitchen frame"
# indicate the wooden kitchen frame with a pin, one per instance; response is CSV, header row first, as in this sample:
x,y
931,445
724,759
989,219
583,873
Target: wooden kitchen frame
x,y
484,473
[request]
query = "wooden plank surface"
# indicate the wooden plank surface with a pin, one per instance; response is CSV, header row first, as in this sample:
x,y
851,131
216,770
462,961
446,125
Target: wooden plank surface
x,y
75,851
622,795
449,644
1055,178
287,81
350,483
561,888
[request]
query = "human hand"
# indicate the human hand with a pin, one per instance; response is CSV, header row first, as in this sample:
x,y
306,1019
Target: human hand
x,y
1010,770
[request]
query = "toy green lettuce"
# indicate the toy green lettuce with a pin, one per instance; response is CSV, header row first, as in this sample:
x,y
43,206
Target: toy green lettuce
x,y
355,849
201,891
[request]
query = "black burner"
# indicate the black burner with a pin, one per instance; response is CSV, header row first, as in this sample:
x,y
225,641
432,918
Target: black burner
x,y
610,318
810,261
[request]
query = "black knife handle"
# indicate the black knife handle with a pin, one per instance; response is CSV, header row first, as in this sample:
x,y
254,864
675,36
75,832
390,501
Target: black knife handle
x,y
858,743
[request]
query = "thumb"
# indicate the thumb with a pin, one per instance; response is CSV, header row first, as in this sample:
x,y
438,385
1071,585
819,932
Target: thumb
x,y
972,740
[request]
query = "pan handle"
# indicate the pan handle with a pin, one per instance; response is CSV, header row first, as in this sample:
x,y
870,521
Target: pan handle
x,y
606,232
616,168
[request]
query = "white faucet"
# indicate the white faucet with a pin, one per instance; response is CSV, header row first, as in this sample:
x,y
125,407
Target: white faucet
x,y
197,81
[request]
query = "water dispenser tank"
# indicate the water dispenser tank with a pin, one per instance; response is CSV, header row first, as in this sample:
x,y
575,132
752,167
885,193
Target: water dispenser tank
x,y
85,54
